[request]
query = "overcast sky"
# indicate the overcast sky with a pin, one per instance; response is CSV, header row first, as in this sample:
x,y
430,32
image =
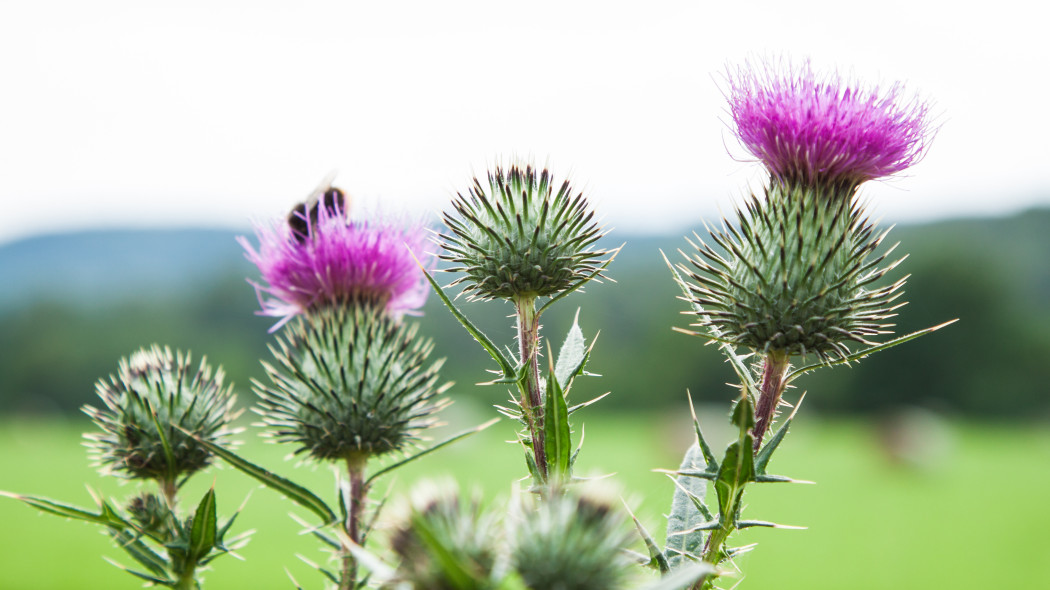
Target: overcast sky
x,y
216,113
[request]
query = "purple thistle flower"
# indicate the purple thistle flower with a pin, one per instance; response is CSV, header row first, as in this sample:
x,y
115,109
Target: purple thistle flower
x,y
824,131
339,261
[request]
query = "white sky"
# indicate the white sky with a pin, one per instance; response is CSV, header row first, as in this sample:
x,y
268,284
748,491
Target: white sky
x,y
215,113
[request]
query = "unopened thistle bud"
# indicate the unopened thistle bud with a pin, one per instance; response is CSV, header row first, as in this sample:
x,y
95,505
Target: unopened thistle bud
x,y
525,236
442,528
155,408
319,256
350,383
797,273
571,542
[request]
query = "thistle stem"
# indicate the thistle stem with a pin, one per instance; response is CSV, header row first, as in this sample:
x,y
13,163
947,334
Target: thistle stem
x,y
355,468
772,387
531,398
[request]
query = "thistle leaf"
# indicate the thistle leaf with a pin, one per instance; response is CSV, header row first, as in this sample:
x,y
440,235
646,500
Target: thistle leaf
x,y
104,517
205,527
490,347
657,559
430,449
557,435
288,488
867,351
685,577
572,356
685,514
737,469
147,577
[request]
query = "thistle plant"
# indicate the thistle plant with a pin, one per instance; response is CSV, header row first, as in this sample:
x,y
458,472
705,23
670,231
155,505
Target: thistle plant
x,y
524,238
160,422
350,383
796,276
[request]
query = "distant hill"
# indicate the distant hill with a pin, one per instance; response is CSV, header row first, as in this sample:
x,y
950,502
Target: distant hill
x,y
91,267
72,304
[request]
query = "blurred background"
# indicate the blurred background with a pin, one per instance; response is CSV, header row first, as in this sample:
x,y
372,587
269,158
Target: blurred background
x,y
137,141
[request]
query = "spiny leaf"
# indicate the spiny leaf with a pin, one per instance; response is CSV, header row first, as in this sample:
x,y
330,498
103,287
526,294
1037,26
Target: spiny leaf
x,y
556,434
709,457
505,365
573,354
656,557
737,469
288,488
430,449
685,577
684,514
863,353
152,579
205,527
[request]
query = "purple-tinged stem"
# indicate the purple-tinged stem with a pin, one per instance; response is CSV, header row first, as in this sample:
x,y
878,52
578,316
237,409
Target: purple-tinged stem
x,y
355,468
772,387
531,399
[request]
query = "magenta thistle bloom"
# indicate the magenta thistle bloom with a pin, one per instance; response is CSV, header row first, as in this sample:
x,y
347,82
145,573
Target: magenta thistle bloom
x,y
339,261
824,131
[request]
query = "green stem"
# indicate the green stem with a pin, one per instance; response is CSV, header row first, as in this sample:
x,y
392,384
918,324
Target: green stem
x,y
186,580
355,468
531,398
771,388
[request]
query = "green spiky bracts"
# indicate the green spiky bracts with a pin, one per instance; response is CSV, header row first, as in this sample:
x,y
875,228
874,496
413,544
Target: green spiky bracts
x,y
573,542
448,543
521,238
350,382
155,408
797,274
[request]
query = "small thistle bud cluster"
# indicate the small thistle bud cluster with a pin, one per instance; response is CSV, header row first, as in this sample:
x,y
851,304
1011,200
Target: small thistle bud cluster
x,y
572,542
350,382
798,273
155,408
523,237
440,528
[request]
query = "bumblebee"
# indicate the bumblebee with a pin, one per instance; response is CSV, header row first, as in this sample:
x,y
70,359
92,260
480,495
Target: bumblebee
x,y
304,216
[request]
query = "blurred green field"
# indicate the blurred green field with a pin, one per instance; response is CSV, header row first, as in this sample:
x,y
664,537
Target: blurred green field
x,y
977,517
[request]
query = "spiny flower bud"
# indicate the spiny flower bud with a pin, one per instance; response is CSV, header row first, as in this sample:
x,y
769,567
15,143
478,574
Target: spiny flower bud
x,y
796,276
571,542
154,407
821,131
521,238
349,383
319,256
442,527
150,514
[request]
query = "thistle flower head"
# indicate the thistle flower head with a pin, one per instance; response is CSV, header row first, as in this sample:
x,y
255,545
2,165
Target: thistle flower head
x,y
445,538
571,542
154,409
815,131
350,383
524,235
796,274
319,257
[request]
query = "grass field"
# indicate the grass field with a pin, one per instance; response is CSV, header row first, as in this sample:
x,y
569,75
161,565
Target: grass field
x,y
977,518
